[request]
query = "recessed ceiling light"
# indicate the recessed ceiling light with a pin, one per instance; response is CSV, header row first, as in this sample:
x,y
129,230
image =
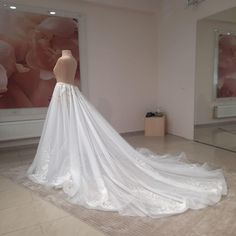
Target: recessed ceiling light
x,y
52,12
12,7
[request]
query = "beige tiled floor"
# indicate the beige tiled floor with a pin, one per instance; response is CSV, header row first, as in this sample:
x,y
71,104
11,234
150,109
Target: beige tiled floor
x,y
23,213
194,151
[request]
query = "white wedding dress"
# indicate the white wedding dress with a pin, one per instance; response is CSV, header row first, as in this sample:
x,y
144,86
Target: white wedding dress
x,y
81,153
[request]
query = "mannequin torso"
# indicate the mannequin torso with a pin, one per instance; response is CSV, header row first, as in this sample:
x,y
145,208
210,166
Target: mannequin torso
x,y
65,68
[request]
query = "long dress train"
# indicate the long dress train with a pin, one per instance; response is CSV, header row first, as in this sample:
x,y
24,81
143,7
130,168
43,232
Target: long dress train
x,y
81,153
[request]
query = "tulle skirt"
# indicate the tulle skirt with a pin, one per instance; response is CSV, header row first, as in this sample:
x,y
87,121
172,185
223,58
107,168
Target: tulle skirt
x,y
82,154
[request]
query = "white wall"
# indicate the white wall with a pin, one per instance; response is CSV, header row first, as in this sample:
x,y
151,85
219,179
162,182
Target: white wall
x,y
204,94
121,58
176,60
122,62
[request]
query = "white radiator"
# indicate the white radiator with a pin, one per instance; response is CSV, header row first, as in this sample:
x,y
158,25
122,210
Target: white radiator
x,y
224,111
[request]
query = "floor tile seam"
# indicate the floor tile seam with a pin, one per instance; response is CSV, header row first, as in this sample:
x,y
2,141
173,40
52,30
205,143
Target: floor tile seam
x,y
23,228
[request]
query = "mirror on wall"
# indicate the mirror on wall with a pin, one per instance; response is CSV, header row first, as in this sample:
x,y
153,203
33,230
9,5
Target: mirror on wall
x,y
215,84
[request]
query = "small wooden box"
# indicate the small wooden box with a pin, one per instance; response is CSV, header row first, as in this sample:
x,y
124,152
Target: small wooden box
x,y
155,126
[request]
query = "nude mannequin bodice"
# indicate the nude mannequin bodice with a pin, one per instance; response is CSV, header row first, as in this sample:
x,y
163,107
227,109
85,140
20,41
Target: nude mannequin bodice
x,y
65,68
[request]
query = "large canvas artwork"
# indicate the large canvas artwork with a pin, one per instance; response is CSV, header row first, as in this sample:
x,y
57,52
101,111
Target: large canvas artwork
x,y
226,68
30,45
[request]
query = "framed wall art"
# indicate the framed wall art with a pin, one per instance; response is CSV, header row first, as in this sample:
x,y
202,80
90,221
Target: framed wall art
x,y
225,66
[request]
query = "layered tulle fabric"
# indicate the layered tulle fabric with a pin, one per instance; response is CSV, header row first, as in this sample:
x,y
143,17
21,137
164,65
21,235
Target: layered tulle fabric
x,y
81,153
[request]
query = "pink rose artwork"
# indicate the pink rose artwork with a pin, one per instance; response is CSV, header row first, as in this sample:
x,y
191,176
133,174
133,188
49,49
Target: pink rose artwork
x,y
30,45
226,66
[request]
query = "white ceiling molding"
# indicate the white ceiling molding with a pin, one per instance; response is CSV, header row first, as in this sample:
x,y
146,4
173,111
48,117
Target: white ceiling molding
x,y
140,5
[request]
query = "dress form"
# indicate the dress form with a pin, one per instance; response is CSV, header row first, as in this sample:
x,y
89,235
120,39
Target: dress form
x,y
81,153
65,68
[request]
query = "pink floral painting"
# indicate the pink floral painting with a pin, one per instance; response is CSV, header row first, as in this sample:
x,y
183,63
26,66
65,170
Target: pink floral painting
x,y
30,45
226,84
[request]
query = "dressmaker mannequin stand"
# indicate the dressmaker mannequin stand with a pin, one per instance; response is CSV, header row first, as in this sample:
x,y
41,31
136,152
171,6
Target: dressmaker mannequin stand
x,y
65,68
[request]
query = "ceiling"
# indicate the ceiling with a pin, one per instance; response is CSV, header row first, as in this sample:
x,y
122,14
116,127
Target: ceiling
x,y
143,5
227,15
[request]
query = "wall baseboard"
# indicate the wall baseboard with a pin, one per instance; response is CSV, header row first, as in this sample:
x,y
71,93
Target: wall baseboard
x,y
131,133
14,130
19,144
